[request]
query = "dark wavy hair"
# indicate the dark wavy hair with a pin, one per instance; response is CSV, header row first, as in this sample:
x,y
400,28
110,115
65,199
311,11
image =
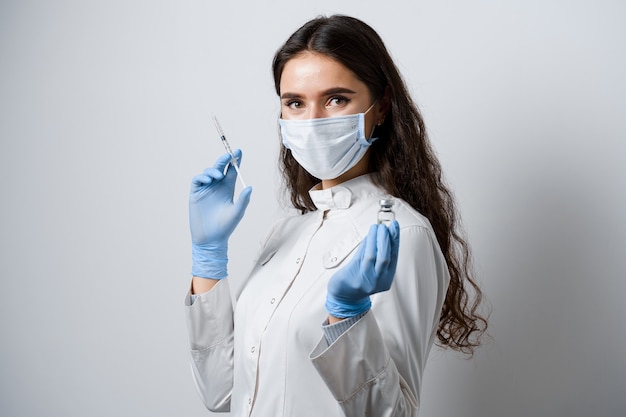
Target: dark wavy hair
x,y
402,159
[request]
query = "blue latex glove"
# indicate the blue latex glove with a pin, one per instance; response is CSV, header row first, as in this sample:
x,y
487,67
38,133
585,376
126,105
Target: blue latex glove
x,y
370,271
213,216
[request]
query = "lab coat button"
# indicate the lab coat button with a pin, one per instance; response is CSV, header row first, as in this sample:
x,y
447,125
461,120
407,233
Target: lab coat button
x,y
298,260
334,259
252,349
272,301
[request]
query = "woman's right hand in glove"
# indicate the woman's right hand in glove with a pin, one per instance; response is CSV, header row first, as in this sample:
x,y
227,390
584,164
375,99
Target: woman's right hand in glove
x,y
213,216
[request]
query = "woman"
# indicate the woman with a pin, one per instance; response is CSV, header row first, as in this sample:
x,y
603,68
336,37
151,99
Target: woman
x,y
338,314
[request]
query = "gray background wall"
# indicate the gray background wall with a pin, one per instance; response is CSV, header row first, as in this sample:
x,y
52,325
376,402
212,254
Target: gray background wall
x,y
105,116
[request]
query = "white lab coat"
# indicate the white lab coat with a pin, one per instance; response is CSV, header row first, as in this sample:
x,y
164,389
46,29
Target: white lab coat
x,y
270,358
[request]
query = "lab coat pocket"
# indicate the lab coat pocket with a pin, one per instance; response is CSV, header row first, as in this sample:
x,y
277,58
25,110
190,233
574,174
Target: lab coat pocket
x,y
341,250
268,251
267,255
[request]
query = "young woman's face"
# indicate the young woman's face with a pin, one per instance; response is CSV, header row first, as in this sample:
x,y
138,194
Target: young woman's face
x,y
314,86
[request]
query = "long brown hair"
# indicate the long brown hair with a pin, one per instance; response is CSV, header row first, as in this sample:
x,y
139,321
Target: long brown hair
x,y
402,158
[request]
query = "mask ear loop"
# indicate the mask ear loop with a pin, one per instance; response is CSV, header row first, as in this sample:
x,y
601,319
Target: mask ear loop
x,y
373,127
371,133
370,107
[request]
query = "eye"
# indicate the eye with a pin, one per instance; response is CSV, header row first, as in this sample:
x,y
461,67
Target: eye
x,y
293,104
337,101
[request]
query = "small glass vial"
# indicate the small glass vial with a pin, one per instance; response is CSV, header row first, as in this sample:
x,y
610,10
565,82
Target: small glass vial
x,y
385,214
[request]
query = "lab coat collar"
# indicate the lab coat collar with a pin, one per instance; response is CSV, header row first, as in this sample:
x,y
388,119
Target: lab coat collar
x,y
340,196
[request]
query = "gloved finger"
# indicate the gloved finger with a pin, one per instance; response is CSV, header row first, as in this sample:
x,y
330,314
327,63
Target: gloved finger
x,y
213,172
243,201
238,154
394,230
202,180
392,262
230,178
208,175
236,159
357,258
394,236
383,250
368,261
231,172
222,161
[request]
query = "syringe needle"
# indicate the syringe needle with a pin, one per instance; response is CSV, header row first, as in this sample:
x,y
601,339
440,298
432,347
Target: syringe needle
x,y
233,160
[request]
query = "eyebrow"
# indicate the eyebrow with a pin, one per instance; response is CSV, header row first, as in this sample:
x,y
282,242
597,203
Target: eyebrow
x,y
329,92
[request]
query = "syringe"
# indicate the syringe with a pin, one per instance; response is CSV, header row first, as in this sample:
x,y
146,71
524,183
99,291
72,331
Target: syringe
x,y
233,160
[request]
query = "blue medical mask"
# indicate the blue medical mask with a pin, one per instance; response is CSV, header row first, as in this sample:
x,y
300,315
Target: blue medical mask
x,y
327,148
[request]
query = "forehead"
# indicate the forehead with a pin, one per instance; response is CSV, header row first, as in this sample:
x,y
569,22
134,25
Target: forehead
x,y
310,72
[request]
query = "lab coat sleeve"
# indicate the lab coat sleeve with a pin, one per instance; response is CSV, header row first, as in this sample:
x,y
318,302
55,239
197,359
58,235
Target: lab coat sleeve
x,y
210,329
375,367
